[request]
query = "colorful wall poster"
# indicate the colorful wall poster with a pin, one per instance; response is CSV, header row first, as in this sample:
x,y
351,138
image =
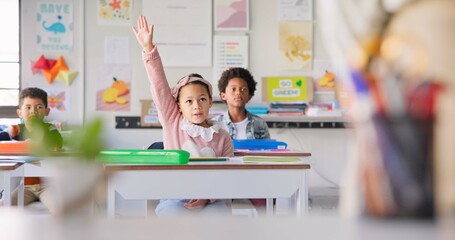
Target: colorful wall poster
x,y
229,51
295,46
113,88
58,99
282,89
114,12
55,26
231,15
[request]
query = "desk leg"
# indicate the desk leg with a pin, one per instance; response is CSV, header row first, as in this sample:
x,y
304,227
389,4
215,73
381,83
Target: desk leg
x,y
20,193
302,195
269,207
110,200
7,190
19,185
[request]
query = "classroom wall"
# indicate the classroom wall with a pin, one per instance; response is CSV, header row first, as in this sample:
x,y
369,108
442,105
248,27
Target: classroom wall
x,y
263,36
263,42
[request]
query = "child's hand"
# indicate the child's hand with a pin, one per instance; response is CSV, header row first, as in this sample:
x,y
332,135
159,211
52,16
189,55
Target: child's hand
x,y
194,204
144,34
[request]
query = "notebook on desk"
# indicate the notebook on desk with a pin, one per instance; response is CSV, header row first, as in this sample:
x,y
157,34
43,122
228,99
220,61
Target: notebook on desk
x,y
251,159
208,159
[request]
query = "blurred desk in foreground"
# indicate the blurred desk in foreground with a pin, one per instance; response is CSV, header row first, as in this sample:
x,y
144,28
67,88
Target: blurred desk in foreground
x,y
17,225
11,179
232,179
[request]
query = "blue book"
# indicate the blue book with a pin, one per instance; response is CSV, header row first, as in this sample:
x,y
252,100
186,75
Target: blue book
x,y
258,144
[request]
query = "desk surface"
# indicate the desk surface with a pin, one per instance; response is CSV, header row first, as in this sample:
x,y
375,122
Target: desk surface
x,y
212,165
9,165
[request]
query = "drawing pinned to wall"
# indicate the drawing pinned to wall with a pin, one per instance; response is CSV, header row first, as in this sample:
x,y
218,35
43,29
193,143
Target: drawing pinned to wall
x,y
295,10
54,27
58,99
53,70
114,12
231,15
295,46
113,88
324,75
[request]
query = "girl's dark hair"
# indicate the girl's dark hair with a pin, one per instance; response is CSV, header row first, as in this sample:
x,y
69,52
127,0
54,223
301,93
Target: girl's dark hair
x,y
237,72
33,93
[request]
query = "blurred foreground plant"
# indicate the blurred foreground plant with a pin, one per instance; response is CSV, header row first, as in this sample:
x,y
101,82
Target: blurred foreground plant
x,y
84,142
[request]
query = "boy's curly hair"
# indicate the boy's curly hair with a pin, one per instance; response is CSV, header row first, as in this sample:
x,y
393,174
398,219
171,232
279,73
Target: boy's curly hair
x,y
33,93
237,72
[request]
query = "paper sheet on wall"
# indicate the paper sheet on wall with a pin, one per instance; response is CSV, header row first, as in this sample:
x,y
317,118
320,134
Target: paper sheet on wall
x,y
116,50
295,46
183,31
296,10
229,51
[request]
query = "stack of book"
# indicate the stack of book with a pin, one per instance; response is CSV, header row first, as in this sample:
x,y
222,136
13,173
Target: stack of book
x,y
288,108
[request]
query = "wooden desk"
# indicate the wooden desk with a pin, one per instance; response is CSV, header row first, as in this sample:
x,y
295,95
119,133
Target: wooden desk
x,y
232,179
12,179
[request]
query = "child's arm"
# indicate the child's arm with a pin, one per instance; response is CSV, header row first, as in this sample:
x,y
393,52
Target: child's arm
x,y
228,147
159,87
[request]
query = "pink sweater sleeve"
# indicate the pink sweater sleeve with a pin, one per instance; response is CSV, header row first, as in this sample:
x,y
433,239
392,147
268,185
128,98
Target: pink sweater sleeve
x,y
159,87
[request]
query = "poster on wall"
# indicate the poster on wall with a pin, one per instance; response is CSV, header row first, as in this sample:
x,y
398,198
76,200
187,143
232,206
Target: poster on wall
x,y
295,46
229,51
54,26
183,30
58,99
295,10
114,12
113,88
231,15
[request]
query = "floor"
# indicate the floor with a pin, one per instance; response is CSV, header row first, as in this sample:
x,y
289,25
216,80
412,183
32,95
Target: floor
x,y
323,201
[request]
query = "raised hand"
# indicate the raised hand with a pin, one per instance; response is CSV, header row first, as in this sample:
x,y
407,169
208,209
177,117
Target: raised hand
x,y
144,34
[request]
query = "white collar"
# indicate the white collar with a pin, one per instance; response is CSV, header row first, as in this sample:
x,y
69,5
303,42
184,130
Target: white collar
x,y
195,130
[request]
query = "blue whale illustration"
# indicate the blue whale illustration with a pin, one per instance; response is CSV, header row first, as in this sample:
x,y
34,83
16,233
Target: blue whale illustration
x,y
56,27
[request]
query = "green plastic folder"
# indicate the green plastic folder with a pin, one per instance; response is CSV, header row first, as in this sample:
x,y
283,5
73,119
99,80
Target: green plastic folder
x,y
142,157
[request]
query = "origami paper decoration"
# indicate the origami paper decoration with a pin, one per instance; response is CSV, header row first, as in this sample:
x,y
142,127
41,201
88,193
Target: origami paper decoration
x,y
60,64
51,69
51,62
41,63
66,76
34,69
49,75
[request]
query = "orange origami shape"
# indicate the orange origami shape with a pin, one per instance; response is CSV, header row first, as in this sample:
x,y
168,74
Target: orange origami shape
x,y
49,75
59,65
